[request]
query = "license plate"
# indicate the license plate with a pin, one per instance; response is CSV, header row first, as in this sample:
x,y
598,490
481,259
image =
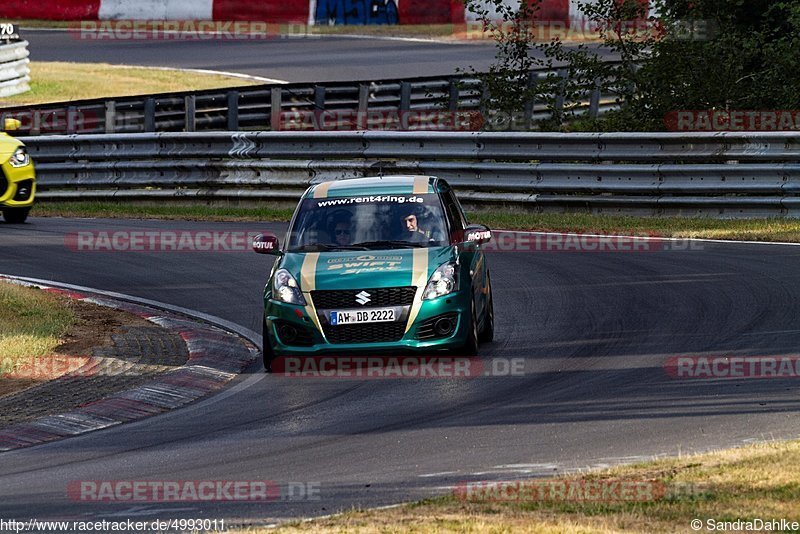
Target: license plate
x,y
376,315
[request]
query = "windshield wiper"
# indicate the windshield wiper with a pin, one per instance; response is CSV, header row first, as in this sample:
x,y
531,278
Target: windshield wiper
x,y
389,243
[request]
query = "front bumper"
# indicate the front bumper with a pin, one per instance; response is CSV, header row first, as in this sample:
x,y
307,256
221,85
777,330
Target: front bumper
x,y
313,341
17,186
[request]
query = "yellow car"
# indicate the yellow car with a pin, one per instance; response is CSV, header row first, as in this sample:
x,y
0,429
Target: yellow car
x,y
17,179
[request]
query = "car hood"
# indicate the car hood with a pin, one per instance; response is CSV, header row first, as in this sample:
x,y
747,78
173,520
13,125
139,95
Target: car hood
x,y
365,269
7,146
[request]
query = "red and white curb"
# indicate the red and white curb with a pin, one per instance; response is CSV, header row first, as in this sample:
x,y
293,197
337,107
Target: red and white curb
x,y
215,358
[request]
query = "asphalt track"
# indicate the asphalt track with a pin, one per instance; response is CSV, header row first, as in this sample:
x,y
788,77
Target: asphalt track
x,y
318,59
594,329
294,60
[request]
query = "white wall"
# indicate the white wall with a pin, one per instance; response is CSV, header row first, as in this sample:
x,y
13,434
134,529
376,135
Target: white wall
x,y
156,9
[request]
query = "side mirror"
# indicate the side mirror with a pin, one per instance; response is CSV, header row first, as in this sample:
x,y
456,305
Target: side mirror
x,y
266,243
10,124
478,234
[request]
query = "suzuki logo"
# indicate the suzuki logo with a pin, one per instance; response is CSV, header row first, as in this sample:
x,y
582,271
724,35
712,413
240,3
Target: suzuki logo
x,y
363,297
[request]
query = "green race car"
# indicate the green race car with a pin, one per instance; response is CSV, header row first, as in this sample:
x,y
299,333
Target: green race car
x,y
17,177
377,265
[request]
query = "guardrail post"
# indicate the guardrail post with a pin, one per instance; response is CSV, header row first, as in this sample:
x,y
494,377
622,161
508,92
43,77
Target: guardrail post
x,y
36,123
363,106
190,106
319,102
233,110
111,117
558,105
275,108
72,111
149,114
484,99
530,102
405,97
452,95
319,98
594,100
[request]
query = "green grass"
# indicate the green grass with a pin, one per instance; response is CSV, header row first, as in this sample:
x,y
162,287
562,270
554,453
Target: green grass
x,y
31,324
787,230
35,23
161,211
58,82
758,481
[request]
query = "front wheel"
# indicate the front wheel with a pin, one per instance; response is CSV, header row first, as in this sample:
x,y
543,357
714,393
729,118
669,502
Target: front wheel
x,y
470,347
487,332
16,215
267,353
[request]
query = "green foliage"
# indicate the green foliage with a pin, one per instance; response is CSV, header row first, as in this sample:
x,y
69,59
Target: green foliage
x,y
695,55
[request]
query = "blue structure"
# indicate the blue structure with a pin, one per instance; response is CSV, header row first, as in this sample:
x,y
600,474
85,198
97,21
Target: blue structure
x,y
356,12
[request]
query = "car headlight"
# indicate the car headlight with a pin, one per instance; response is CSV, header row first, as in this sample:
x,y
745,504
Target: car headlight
x,y
20,158
444,281
285,288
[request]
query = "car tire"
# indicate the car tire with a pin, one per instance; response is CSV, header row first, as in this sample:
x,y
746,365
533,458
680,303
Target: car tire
x,y
267,353
470,347
16,215
487,332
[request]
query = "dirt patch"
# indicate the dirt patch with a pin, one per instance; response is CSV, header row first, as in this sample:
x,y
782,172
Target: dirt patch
x,y
93,328
104,352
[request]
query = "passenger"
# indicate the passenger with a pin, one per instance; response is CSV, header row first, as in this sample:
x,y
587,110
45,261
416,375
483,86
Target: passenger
x,y
340,229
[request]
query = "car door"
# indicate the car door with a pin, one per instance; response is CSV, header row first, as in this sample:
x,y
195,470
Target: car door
x,y
472,255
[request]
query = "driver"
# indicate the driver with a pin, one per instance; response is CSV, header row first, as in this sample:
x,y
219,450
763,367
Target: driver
x,y
411,230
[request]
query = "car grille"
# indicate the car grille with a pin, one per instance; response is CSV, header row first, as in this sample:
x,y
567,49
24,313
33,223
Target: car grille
x,y
365,333
346,298
3,183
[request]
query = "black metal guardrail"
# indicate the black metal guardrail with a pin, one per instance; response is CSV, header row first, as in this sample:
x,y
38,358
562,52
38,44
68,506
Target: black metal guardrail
x,y
709,174
380,104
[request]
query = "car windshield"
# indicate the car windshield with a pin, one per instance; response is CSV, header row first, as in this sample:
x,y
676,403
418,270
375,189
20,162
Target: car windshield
x,y
368,222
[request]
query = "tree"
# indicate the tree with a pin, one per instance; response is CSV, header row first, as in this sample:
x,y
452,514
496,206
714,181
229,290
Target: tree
x,y
690,55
